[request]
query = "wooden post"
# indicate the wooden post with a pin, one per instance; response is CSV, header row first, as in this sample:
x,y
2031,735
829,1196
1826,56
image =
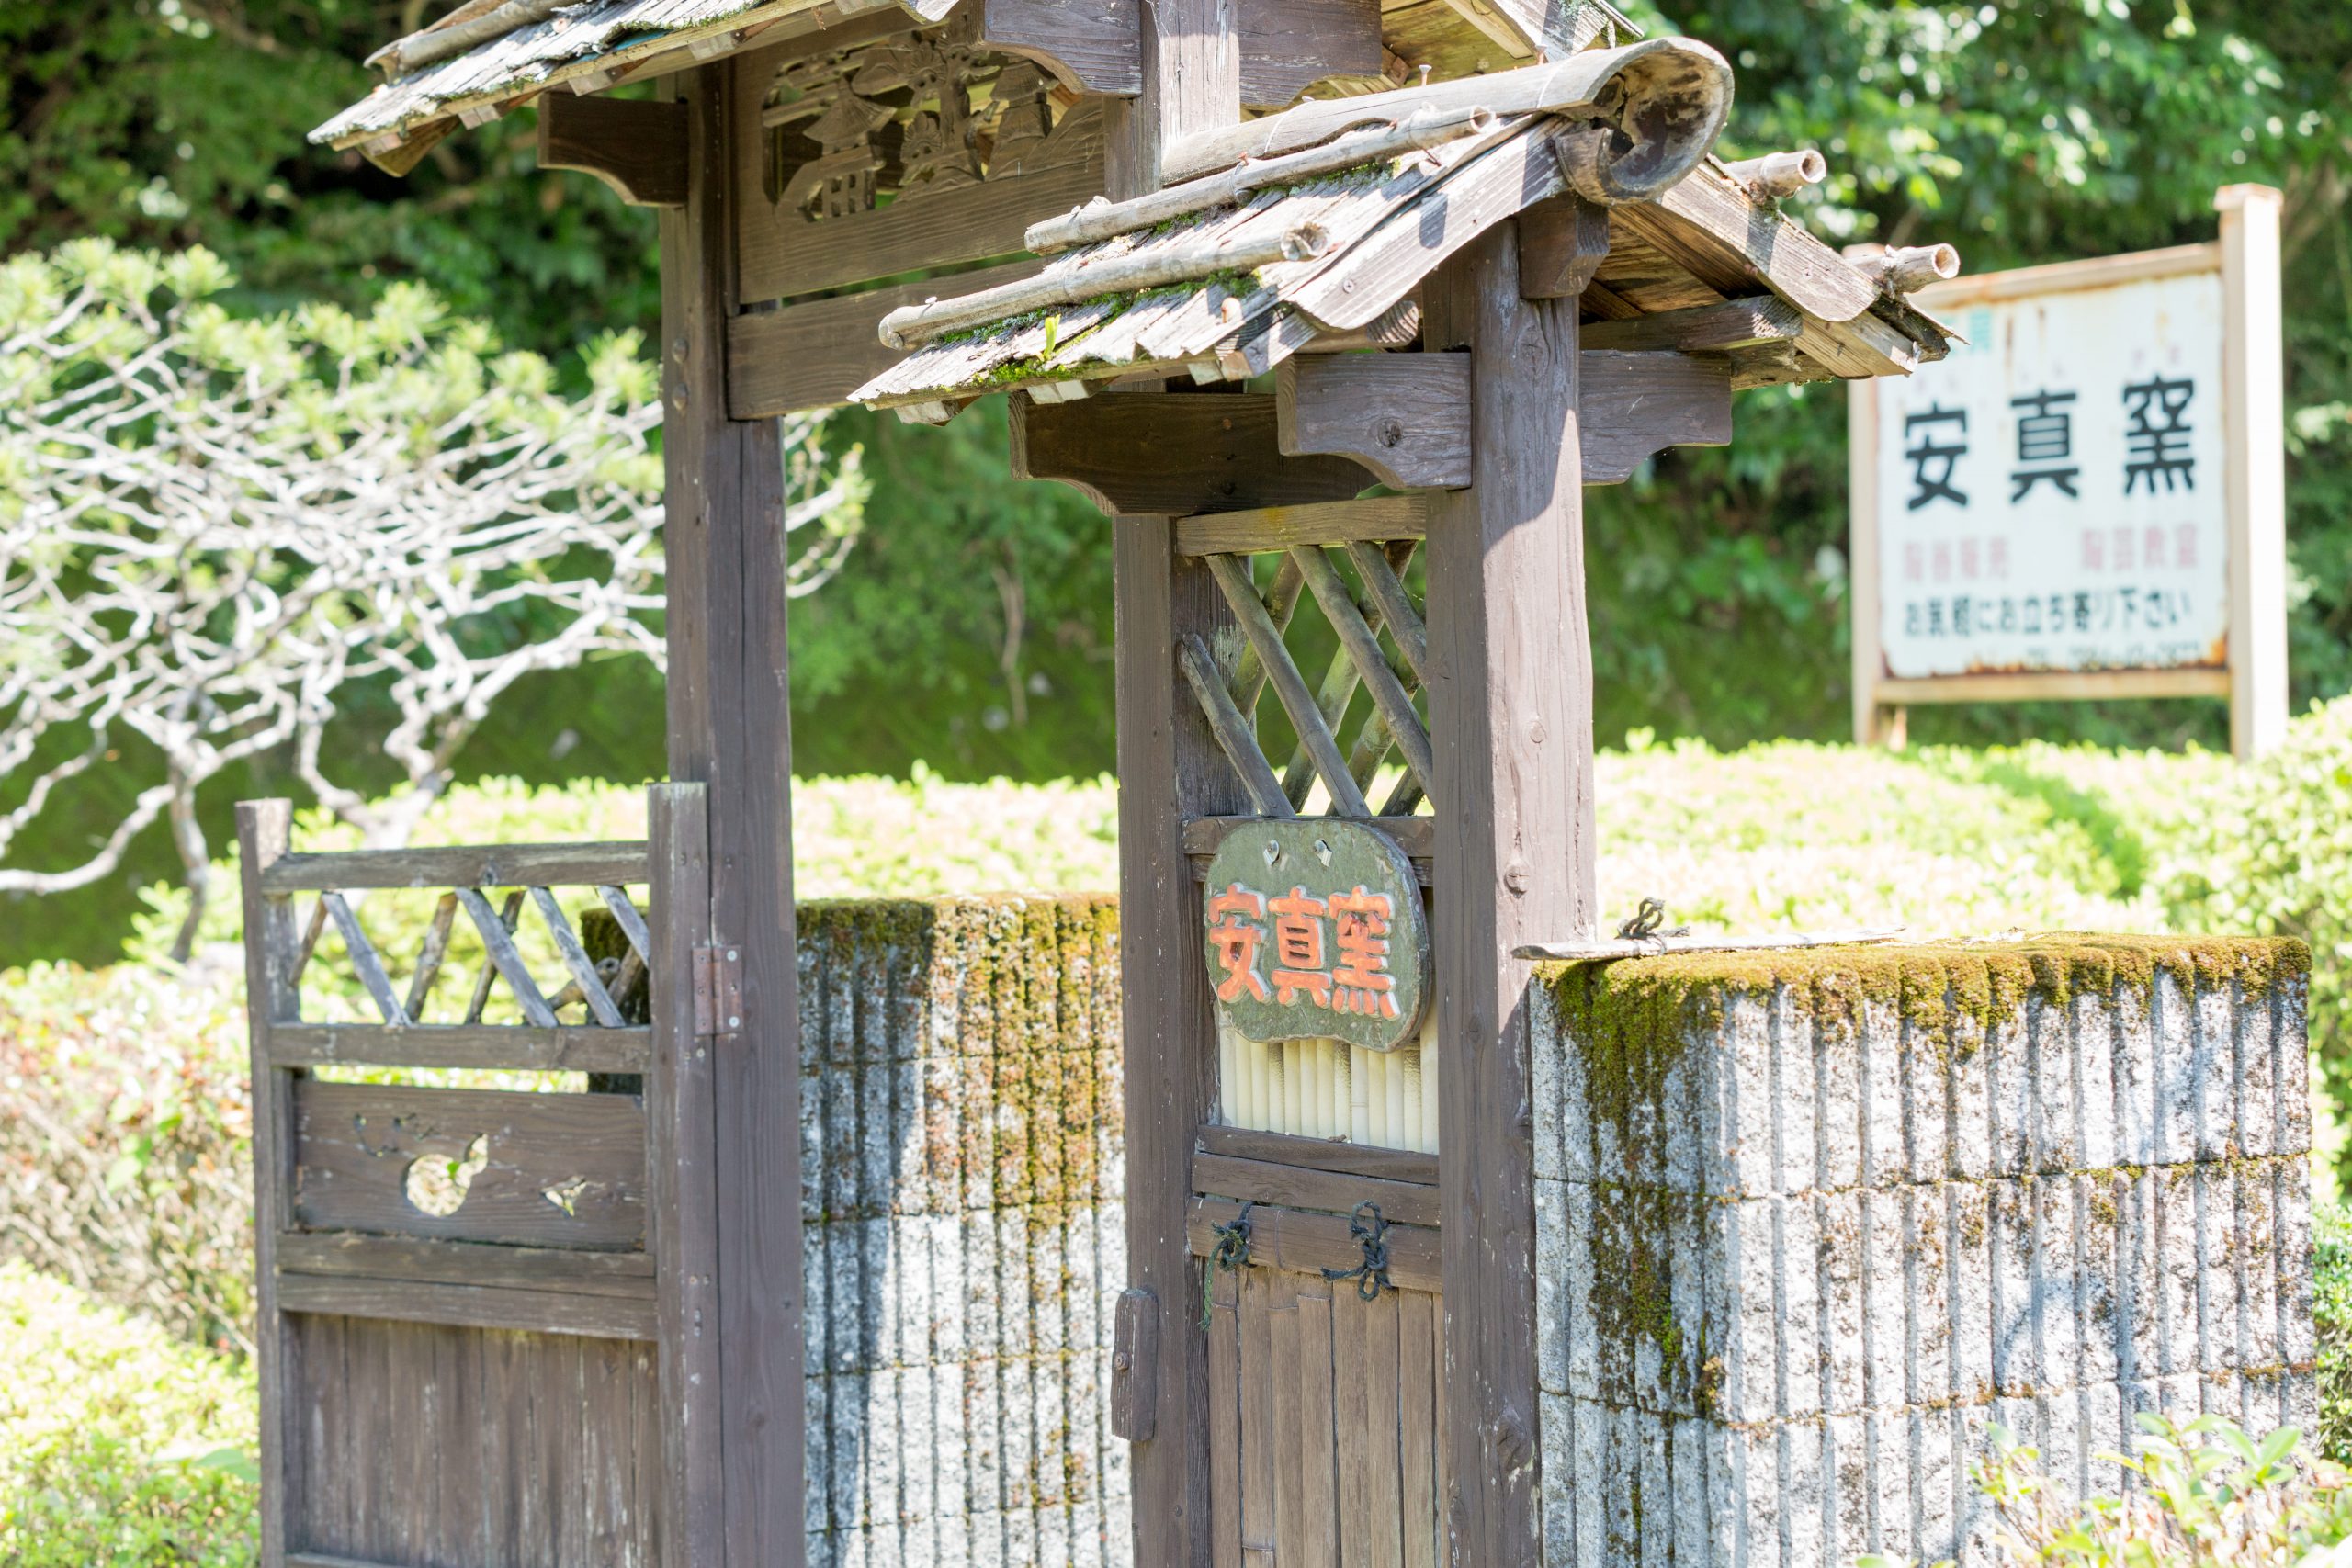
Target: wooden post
x,y
2253,393
730,728
682,1180
265,836
1861,558
1170,770
1510,710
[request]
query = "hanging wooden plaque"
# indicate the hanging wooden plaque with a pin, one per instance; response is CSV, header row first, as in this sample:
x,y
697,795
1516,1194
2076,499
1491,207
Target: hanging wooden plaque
x,y
1316,930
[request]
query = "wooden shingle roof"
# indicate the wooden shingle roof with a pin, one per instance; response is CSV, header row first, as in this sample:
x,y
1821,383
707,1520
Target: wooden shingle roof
x,y
1700,258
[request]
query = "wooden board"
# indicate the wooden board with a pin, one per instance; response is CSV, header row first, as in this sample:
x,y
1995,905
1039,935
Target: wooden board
x,y
469,1306
1299,1187
1632,406
1158,454
635,146
569,1049
1284,45
1319,1154
264,838
553,1269
488,865
1374,519
784,253
469,1446
559,1169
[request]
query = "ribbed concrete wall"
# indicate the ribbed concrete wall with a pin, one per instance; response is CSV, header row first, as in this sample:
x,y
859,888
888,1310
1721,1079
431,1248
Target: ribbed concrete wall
x,y
963,1177
1808,1225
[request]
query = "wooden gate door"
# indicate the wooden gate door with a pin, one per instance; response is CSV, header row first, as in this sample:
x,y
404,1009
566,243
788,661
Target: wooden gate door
x,y
477,1300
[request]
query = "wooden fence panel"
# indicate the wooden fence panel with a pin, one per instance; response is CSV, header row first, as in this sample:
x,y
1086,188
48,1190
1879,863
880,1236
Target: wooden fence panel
x,y
530,1170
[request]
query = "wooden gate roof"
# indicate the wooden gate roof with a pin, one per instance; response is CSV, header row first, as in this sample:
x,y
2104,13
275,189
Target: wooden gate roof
x,y
1228,275
486,57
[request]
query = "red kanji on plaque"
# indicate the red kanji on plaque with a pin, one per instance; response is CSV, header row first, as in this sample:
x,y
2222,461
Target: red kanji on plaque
x,y
1315,929
1237,930
1299,963
1362,981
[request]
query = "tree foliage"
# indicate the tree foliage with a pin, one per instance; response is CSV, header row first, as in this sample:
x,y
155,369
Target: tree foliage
x,y
973,629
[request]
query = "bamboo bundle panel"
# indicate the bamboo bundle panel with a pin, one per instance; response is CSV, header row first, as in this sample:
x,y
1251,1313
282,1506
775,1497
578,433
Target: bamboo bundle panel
x,y
1326,1089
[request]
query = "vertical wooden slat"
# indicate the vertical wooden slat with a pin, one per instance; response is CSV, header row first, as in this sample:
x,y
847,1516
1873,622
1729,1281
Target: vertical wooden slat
x,y
264,835
1226,1395
1293,1527
1321,1537
562,1478
682,1183
1383,1511
1258,1434
1190,80
1417,1425
1510,701
458,1535
729,727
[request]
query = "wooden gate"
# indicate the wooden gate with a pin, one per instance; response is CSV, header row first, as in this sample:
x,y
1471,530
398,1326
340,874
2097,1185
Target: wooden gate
x,y
479,1330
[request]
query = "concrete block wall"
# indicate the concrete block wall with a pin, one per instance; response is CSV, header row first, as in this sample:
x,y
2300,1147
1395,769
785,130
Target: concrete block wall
x,y
1808,1225
964,1233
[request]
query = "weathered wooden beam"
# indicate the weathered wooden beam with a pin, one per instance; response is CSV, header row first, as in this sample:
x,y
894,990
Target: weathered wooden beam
x,y
564,1049
1168,771
1671,94
1375,518
1704,329
1302,1187
1714,227
635,146
1562,244
1173,453
1404,416
471,1306
814,356
1319,1154
1632,405
485,865
1510,702
1092,46
729,727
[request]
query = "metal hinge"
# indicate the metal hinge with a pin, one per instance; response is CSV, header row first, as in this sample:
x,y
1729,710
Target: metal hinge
x,y
718,988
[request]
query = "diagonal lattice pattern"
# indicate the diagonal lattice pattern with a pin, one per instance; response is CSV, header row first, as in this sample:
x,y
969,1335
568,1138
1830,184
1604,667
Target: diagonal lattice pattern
x,y
1382,649
610,990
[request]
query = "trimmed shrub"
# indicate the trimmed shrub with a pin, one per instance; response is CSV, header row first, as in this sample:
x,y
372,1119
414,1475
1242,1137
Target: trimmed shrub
x,y
118,1444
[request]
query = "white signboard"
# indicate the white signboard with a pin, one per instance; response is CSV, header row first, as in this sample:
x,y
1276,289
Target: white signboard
x,y
2051,496
2088,498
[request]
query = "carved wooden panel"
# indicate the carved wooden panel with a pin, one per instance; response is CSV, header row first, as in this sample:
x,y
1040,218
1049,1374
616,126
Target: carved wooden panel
x,y
919,149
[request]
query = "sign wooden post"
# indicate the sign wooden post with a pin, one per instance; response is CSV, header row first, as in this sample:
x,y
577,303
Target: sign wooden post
x,y
2088,498
2254,398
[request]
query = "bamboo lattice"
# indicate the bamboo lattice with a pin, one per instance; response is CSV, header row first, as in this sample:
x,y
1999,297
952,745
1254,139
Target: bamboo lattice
x,y
1324,1089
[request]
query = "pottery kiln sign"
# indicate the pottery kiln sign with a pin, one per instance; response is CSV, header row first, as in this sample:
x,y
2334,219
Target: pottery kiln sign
x,y
1317,931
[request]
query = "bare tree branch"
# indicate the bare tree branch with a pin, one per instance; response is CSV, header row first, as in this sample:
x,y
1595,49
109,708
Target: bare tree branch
x,y
214,527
